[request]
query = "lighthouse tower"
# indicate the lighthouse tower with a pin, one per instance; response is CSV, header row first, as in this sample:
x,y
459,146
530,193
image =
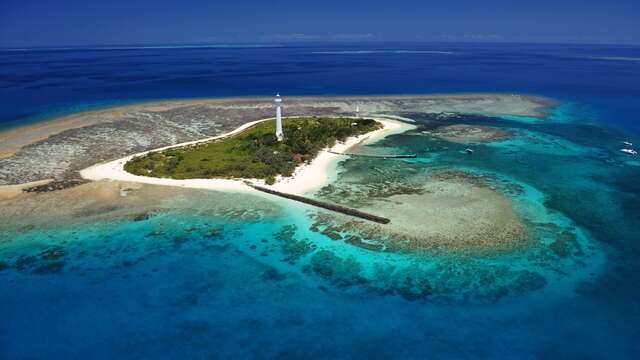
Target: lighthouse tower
x,y
279,133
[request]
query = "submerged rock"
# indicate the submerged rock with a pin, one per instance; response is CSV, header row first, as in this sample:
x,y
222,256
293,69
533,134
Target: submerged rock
x,y
55,185
52,253
295,249
560,247
49,268
357,241
24,261
271,273
141,217
342,272
214,232
468,134
332,234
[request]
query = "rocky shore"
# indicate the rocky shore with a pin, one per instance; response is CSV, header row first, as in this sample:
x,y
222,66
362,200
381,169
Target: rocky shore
x,y
54,185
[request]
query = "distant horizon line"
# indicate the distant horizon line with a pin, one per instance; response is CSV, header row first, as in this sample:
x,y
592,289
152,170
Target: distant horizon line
x,y
258,44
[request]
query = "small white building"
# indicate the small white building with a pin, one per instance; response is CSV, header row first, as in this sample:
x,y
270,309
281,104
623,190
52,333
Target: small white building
x,y
279,133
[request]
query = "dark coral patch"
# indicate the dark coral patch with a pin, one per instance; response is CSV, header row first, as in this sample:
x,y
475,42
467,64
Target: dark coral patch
x,y
339,271
25,261
294,248
49,268
52,253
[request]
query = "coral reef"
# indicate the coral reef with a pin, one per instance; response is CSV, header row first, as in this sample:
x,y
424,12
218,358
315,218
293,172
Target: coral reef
x,y
445,211
469,134
293,248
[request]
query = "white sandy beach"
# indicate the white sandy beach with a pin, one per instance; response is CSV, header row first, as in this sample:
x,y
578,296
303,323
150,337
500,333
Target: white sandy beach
x,y
305,178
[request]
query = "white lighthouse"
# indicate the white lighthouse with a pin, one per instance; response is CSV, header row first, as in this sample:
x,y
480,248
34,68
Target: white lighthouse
x,y
279,133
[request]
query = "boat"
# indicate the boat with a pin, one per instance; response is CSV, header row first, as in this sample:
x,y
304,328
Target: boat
x,y
629,151
469,151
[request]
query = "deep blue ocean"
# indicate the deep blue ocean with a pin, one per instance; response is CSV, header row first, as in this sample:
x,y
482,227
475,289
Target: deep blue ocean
x,y
240,281
44,81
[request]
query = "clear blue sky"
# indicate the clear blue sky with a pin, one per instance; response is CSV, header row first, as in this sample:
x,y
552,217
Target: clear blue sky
x,y
92,22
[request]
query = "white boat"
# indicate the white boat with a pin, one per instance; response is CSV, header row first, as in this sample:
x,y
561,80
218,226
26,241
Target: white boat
x,y
629,151
469,151
627,143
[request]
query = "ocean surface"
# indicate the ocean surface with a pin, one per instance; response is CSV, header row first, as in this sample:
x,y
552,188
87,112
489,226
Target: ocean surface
x,y
40,82
213,275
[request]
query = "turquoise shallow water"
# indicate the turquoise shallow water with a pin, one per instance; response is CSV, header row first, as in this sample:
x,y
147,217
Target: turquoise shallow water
x,y
204,279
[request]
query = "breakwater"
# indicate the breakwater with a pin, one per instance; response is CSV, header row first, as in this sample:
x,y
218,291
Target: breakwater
x,y
324,205
405,156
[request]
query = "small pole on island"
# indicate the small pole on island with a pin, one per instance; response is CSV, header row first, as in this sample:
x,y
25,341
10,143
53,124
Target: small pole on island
x,y
279,133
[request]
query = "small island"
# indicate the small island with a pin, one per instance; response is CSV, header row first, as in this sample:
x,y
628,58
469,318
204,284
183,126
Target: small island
x,y
255,153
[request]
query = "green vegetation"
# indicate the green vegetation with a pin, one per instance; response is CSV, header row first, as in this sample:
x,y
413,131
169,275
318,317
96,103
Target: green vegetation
x,y
253,153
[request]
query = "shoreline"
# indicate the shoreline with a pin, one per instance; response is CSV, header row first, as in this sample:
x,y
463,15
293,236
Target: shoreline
x,y
317,173
305,178
13,139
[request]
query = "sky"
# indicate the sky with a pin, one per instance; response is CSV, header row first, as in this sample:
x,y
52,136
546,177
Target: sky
x,y
46,23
